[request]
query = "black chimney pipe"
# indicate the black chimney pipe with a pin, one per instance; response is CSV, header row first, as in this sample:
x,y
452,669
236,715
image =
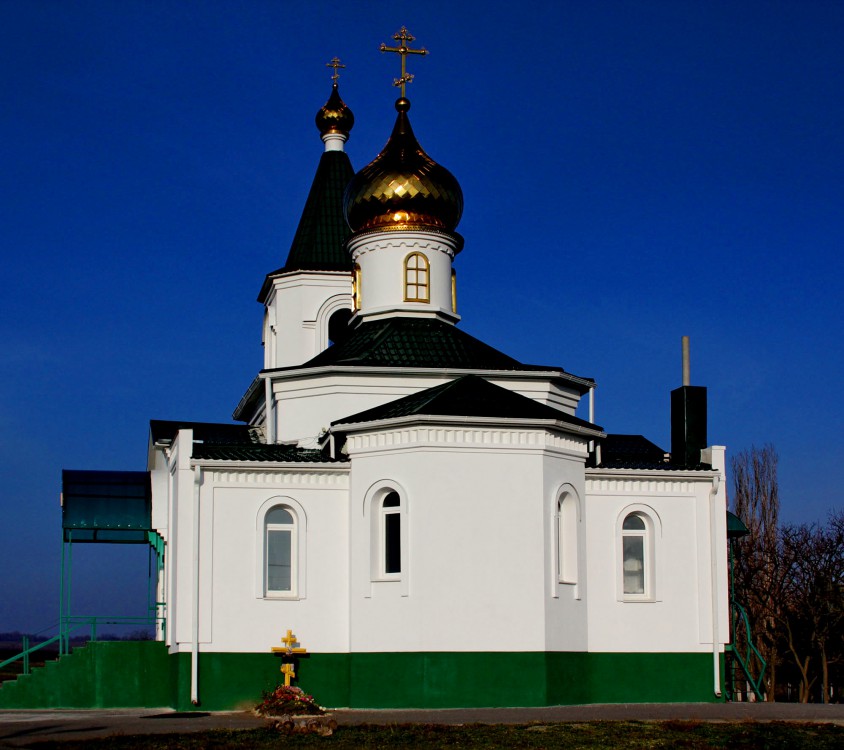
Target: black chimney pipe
x,y
688,424
688,417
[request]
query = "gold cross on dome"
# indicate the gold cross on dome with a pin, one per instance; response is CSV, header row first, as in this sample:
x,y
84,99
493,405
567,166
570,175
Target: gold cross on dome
x,y
335,63
403,37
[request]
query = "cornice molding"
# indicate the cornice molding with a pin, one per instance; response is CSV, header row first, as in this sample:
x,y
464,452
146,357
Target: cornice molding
x,y
456,437
277,477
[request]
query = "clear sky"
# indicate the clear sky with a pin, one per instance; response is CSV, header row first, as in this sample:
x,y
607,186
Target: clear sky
x,y
633,172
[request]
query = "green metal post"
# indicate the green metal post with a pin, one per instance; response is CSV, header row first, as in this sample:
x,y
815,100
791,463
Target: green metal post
x,y
61,598
25,644
65,625
149,579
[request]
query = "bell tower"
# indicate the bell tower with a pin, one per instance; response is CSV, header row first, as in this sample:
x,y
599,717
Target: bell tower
x,y
308,301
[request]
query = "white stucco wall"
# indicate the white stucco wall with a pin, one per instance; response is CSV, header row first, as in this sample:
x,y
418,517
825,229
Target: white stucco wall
x,y
477,542
244,619
297,310
677,617
305,404
566,627
381,257
480,541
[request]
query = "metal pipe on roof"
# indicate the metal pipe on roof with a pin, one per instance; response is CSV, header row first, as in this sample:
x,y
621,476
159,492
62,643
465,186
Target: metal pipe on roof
x,y
687,377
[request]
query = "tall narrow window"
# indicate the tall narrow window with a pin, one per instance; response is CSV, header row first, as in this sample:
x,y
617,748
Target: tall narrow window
x,y
567,539
356,291
416,287
280,552
635,550
391,533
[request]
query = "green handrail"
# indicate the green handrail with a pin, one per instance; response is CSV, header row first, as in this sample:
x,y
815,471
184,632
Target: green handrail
x,y
750,651
27,651
69,625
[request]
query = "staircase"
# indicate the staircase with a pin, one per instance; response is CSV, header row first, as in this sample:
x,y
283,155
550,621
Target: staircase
x,y
102,674
742,655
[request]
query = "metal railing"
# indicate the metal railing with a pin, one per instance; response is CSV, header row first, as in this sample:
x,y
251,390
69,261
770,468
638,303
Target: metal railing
x,y
742,634
68,626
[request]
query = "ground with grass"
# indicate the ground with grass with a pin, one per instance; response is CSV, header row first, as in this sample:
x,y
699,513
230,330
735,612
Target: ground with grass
x,y
604,734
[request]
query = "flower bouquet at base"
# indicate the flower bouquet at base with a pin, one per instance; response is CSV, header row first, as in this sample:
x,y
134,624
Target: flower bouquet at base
x,y
287,700
292,711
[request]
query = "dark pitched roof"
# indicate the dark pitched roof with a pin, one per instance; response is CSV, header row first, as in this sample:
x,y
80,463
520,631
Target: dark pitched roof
x,y
233,442
636,452
260,452
208,432
468,396
736,528
416,342
320,240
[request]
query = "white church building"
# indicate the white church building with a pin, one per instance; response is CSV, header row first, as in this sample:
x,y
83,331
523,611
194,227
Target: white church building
x,y
426,514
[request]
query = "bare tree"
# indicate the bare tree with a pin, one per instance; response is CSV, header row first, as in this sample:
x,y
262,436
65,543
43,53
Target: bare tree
x,y
757,579
812,609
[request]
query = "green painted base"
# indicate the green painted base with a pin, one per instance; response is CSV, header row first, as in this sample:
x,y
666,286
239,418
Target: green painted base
x,y
106,674
121,674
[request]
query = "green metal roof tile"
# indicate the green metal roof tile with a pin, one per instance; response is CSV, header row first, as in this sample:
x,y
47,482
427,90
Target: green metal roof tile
x,y
320,240
208,432
416,342
259,452
467,396
636,452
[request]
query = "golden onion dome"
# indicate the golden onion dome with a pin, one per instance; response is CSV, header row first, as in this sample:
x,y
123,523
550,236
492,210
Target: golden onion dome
x,y
403,186
334,116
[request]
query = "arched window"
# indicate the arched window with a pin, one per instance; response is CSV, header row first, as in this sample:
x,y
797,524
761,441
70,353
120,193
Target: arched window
x,y
356,289
390,541
416,287
636,557
338,325
280,552
567,539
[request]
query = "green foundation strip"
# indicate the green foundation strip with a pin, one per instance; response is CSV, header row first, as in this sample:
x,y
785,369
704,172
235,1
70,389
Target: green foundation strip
x,y
118,674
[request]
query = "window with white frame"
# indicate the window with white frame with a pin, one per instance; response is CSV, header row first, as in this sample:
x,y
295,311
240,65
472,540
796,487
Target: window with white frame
x,y
280,552
567,539
390,535
636,557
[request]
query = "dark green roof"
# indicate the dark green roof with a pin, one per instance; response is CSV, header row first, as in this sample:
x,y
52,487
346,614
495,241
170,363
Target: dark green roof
x,y
320,240
467,396
106,506
416,342
630,450
208,432
259,452
636,452
735,526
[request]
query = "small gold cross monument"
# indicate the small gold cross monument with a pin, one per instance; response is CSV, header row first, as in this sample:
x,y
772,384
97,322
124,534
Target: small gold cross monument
x,y
287,669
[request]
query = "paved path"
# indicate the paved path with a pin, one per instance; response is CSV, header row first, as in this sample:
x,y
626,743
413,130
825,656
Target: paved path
x,y
21,728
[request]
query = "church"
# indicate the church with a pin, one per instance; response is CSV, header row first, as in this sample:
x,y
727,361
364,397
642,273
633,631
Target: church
x,y
425,513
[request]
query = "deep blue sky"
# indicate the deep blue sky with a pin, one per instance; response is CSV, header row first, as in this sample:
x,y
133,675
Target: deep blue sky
x,y
633,172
